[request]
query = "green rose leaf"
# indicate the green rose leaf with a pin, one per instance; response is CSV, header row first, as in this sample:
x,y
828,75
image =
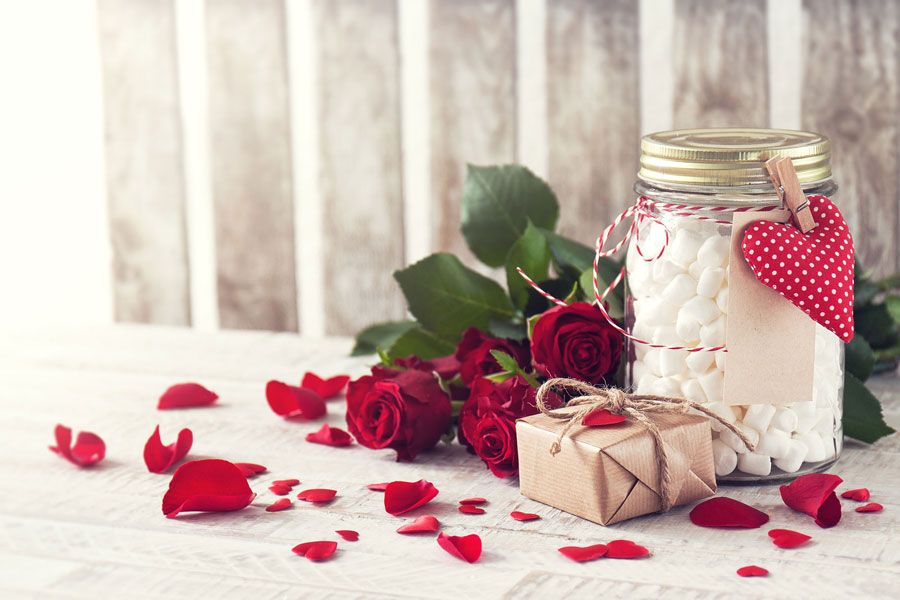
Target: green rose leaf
x,y
613,299
514,330
569,256
531,253
875,323
862,412
859,358
420,342
447,297
380,335
497,204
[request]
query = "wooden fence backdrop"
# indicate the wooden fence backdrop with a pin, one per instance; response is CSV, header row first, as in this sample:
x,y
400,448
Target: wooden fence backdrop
x,y
270,163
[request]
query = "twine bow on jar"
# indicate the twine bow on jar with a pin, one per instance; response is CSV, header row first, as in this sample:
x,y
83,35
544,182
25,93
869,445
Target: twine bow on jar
x,y
635,406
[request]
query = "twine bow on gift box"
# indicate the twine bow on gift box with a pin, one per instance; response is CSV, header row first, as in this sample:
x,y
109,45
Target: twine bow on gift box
x,y
619,402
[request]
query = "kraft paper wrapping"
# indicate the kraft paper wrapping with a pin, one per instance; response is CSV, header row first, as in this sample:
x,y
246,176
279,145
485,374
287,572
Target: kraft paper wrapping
x,y
771,342
610,474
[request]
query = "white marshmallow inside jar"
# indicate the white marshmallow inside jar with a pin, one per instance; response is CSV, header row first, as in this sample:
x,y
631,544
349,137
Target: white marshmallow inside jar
x,y
678,267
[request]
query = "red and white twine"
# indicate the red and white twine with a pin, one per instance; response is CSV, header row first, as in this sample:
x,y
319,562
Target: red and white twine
x,y
643,210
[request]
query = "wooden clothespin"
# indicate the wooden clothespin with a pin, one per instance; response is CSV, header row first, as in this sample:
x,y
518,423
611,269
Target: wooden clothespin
x,y
787,186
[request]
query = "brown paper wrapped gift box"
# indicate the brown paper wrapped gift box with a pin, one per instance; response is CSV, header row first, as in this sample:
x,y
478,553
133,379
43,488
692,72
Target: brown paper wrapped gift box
x,y
609,474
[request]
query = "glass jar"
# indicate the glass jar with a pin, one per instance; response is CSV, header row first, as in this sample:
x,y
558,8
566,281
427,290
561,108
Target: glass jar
x,y
666,293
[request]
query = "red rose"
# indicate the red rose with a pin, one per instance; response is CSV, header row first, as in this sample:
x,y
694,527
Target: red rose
x,y
487,422
405,411
476,360
575,341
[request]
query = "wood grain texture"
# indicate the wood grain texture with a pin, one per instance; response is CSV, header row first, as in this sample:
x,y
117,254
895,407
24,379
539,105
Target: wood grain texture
x,y
361,179
472,86
251,164
720,64
106,532
851,93
144,178
594,110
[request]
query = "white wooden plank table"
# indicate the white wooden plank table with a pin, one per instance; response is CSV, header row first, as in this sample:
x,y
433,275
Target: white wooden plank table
x,y
69,532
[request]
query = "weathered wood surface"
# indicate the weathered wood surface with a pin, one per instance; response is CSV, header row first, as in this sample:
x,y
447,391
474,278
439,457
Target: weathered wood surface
x,y
593,110
720,64
144,173
93,533
251,164
851,93
361,182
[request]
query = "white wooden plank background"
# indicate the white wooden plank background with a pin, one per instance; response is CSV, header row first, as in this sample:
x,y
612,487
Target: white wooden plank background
x,y
73,533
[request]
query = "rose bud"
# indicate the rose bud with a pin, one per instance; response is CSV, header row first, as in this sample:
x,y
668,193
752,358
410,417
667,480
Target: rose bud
x,y
575,341
406,411
476,360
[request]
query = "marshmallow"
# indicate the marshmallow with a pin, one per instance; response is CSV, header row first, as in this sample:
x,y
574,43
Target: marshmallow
x,y
651,361
794,457
671,362
722,300
724,458
699,362
701,309
712,383
759,416
713,334
656,312
815,449
784,419
680,289
665,271
755,464
734,442
720,410
710,282
720,360
695,270
666,386
665,335
714,251
825,424
806,416
774,443
683,249
687,327
692,390
646,383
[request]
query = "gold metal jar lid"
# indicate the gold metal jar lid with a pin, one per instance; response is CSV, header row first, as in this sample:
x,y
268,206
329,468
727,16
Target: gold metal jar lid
x,y
731,157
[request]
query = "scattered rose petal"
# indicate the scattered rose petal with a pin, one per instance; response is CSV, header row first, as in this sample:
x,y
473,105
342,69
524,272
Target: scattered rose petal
x,y
787,538
159,458
423,524
860,495
403,496
330,436
814,495
468,509
378,487
473,501
752,571
727,512
348,534
316,551
464,547
280,504
325,388
584,553
250,469
87,450
600,417
870,507
287,482
186,395
293,402
210,485
317,495
279,489
625,549
524,516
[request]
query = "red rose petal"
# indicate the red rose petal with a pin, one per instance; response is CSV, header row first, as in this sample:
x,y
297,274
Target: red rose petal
x,y
600,417
752,571
468,509
279,489
814,495
378,487
280,504
860,495
870,507
403,496
250,469
325,388
473,501
293,402
423,524
87,450
318,495
330,436
348,534
727,512
524,516
464,547
787,538
584,553
186,395
287,482
316,551
159,458
210,485
625,549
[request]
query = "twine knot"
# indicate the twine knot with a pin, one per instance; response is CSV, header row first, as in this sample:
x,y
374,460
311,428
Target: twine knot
x,y
589,398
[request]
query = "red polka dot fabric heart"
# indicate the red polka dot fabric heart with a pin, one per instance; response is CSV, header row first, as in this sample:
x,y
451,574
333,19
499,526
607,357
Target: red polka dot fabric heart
x,y
813,270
